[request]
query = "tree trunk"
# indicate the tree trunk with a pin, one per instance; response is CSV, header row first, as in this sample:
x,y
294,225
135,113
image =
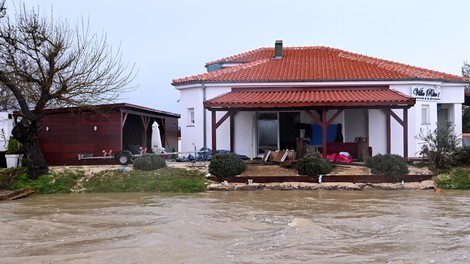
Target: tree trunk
x,y
27,134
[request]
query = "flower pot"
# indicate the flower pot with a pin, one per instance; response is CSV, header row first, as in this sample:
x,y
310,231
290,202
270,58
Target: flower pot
x,y
12,160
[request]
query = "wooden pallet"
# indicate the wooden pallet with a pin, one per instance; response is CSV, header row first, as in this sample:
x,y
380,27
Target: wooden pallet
x,y
16,194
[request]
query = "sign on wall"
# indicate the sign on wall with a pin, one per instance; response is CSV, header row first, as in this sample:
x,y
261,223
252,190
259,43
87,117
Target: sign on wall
x,y
429,93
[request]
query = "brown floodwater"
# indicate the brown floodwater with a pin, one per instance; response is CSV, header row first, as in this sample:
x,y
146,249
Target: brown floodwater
x,y
320,226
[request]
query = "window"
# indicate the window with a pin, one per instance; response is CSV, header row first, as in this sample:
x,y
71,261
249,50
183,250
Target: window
x,y
425,118
190,116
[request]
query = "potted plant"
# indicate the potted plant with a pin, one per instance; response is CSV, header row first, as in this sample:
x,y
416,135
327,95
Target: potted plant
x,y
13,153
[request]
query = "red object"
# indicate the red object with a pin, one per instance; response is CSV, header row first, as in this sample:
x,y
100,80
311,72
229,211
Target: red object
x,y
331,157
338,158
343,158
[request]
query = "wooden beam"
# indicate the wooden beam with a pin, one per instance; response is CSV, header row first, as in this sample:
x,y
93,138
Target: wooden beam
x,y
389,132
216,124
405,133
313,116
145,123
324,123
214,132
404,123
338,112
324,127
232,131
222,120
123,119
399,120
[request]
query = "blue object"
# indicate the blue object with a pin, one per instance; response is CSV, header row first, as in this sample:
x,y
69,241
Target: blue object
x,y
317,134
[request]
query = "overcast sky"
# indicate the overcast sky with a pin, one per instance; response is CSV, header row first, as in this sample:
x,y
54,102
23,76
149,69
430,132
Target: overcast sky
x,y
173,39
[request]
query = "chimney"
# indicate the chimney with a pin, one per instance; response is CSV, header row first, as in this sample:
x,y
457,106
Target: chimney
x,y
278,50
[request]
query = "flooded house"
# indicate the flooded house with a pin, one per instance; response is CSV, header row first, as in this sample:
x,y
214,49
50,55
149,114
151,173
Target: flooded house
x,y
267,98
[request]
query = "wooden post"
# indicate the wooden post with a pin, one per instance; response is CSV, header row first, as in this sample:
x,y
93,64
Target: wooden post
x,y
405,133
214,132
324,126
299,148
363,149
389,132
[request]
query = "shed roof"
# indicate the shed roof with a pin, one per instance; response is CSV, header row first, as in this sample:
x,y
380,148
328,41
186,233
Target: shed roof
x,y
122,106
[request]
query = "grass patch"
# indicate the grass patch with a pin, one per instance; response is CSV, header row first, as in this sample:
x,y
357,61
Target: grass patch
x,y
54,182
161,180
456,179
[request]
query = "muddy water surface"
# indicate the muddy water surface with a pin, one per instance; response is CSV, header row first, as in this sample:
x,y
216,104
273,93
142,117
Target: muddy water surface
x,y
238,227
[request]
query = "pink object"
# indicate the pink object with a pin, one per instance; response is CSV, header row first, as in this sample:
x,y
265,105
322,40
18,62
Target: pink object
x,y
342,158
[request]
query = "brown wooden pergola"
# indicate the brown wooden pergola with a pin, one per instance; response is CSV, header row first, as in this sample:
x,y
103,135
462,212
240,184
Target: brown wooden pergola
x,y
316,99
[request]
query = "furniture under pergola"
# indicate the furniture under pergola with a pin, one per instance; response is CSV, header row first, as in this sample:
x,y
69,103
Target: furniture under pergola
x,y
311,100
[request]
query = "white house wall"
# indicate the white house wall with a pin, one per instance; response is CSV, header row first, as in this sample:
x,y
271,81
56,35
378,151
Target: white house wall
x,y
355,123
223,131
245,133
191,134
452,97
377,131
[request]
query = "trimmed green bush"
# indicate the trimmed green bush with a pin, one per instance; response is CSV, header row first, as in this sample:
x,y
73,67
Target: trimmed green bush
x,y
226,165
148,162
313,164
388,164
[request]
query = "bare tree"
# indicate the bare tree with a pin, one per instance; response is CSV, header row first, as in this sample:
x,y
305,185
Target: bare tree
x,y
466,69
2,8
45,63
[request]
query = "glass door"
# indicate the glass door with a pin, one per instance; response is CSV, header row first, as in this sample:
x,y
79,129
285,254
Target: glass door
x,y
268,130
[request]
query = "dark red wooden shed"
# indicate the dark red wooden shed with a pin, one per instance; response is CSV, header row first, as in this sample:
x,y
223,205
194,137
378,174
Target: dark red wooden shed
x,y
80,136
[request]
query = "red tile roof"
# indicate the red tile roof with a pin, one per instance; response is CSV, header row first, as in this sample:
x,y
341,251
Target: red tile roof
x,y
314,64
313,97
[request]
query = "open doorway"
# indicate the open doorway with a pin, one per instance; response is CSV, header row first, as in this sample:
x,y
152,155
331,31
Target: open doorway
x,y
277,130
289,129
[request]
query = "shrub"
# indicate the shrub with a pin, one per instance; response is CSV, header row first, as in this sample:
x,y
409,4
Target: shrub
x,y
457,179
388,164
226,165
14,146
461,156
439,145
148,162
313,164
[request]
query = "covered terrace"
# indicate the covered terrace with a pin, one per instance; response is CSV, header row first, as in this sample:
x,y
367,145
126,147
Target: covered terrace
x,y
311,100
